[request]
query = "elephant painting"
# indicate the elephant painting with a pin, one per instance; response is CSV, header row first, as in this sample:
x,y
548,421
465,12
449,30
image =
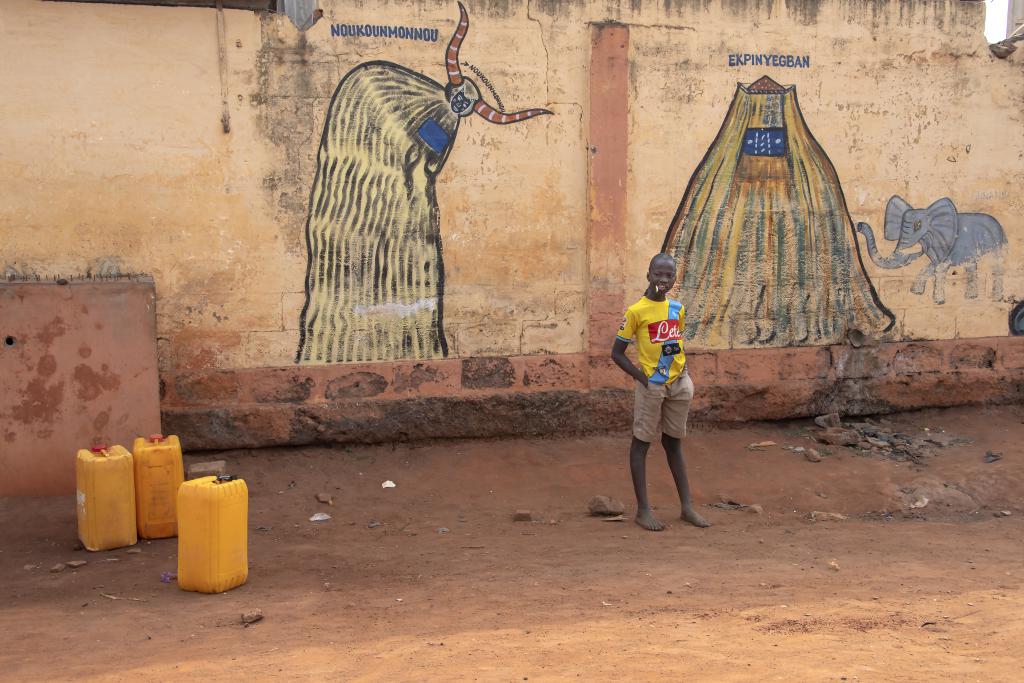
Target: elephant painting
x,y
947,238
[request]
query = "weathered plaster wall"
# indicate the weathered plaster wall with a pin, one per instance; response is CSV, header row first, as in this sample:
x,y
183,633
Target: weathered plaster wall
x,y
904,98
114,159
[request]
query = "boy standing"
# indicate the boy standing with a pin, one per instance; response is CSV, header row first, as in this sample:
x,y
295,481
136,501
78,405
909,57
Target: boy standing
x,y
663,389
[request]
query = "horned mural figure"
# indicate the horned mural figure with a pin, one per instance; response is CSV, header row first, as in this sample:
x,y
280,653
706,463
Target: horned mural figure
x,y
374,275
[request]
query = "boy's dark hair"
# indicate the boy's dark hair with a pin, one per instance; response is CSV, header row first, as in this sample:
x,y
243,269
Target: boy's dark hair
x,y
661,257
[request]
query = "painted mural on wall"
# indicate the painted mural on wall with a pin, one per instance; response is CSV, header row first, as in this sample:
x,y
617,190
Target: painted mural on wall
x,y
946,237
768,246
375,275
1017,319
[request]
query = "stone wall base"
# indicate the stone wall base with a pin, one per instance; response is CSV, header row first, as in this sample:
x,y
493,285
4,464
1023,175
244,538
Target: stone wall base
x,y
574,394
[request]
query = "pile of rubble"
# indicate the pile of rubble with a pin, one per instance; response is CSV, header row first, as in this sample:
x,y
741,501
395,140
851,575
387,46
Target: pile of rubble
x,y
881,438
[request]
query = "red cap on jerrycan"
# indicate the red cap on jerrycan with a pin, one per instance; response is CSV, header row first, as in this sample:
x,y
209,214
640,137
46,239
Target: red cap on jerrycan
x,y
156,438
98,448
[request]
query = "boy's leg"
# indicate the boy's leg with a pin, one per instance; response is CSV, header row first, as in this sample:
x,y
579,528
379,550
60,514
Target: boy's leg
x,y
674,415
646,424
638,470
674,453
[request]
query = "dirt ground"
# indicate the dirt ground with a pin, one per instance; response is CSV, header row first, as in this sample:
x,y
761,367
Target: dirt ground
x,y
891,593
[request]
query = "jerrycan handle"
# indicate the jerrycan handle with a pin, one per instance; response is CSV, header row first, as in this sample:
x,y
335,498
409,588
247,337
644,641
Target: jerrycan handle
x,y
225,477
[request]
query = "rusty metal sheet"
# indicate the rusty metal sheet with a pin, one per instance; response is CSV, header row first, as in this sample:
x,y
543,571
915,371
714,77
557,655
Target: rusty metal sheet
x,y
303,13
78,365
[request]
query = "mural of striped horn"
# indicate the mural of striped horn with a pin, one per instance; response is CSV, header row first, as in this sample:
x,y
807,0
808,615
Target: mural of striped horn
x,y
492,115
451,57
374,272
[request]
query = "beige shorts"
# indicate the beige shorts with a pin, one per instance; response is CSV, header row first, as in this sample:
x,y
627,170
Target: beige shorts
x,y
662,409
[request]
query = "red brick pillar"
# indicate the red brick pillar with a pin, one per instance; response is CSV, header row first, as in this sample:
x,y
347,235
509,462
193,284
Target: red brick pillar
x,y
606,230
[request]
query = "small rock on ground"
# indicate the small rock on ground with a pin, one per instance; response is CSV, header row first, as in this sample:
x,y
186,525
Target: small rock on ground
x,y
325,498
57,568
830,420
606,506
819,516
522,516
134,551
939,439
937,496
837,436
75,564
252,616
812,455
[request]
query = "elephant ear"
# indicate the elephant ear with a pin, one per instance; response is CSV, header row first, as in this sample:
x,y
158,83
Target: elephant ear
x,y
940,218
894,211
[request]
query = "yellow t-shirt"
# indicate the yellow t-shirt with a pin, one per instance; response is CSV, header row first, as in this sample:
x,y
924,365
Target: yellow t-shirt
x,y
648,323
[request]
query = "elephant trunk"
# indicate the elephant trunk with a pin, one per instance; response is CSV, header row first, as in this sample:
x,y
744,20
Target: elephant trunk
x,y
896,260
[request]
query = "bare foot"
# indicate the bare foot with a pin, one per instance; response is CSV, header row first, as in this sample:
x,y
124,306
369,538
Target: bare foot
x,y
693,518
646,520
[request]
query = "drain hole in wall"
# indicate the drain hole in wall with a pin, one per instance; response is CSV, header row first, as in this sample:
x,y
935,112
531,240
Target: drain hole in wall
x,y
9,341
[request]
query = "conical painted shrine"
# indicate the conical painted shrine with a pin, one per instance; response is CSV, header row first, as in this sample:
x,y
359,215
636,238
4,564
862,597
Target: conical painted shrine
x,y
767,251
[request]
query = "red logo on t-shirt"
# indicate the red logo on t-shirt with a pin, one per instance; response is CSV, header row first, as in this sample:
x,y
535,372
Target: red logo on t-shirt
x,y
666,330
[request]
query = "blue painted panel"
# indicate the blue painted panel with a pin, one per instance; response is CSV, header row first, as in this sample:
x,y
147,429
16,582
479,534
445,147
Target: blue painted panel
x,y
433,135
765,142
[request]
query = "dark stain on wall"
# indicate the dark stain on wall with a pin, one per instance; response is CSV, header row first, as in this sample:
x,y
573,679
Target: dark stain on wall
x,y
497,8
39,403
101,420
91,383
804,10
938,13
876,13
294,79
418,375
972,356
47,366
747,8
356,385
487,373
284,388
53,329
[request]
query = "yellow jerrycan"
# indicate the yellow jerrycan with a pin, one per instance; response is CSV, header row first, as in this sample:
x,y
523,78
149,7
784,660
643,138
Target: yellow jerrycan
x,y
213,541
105,498
158,474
